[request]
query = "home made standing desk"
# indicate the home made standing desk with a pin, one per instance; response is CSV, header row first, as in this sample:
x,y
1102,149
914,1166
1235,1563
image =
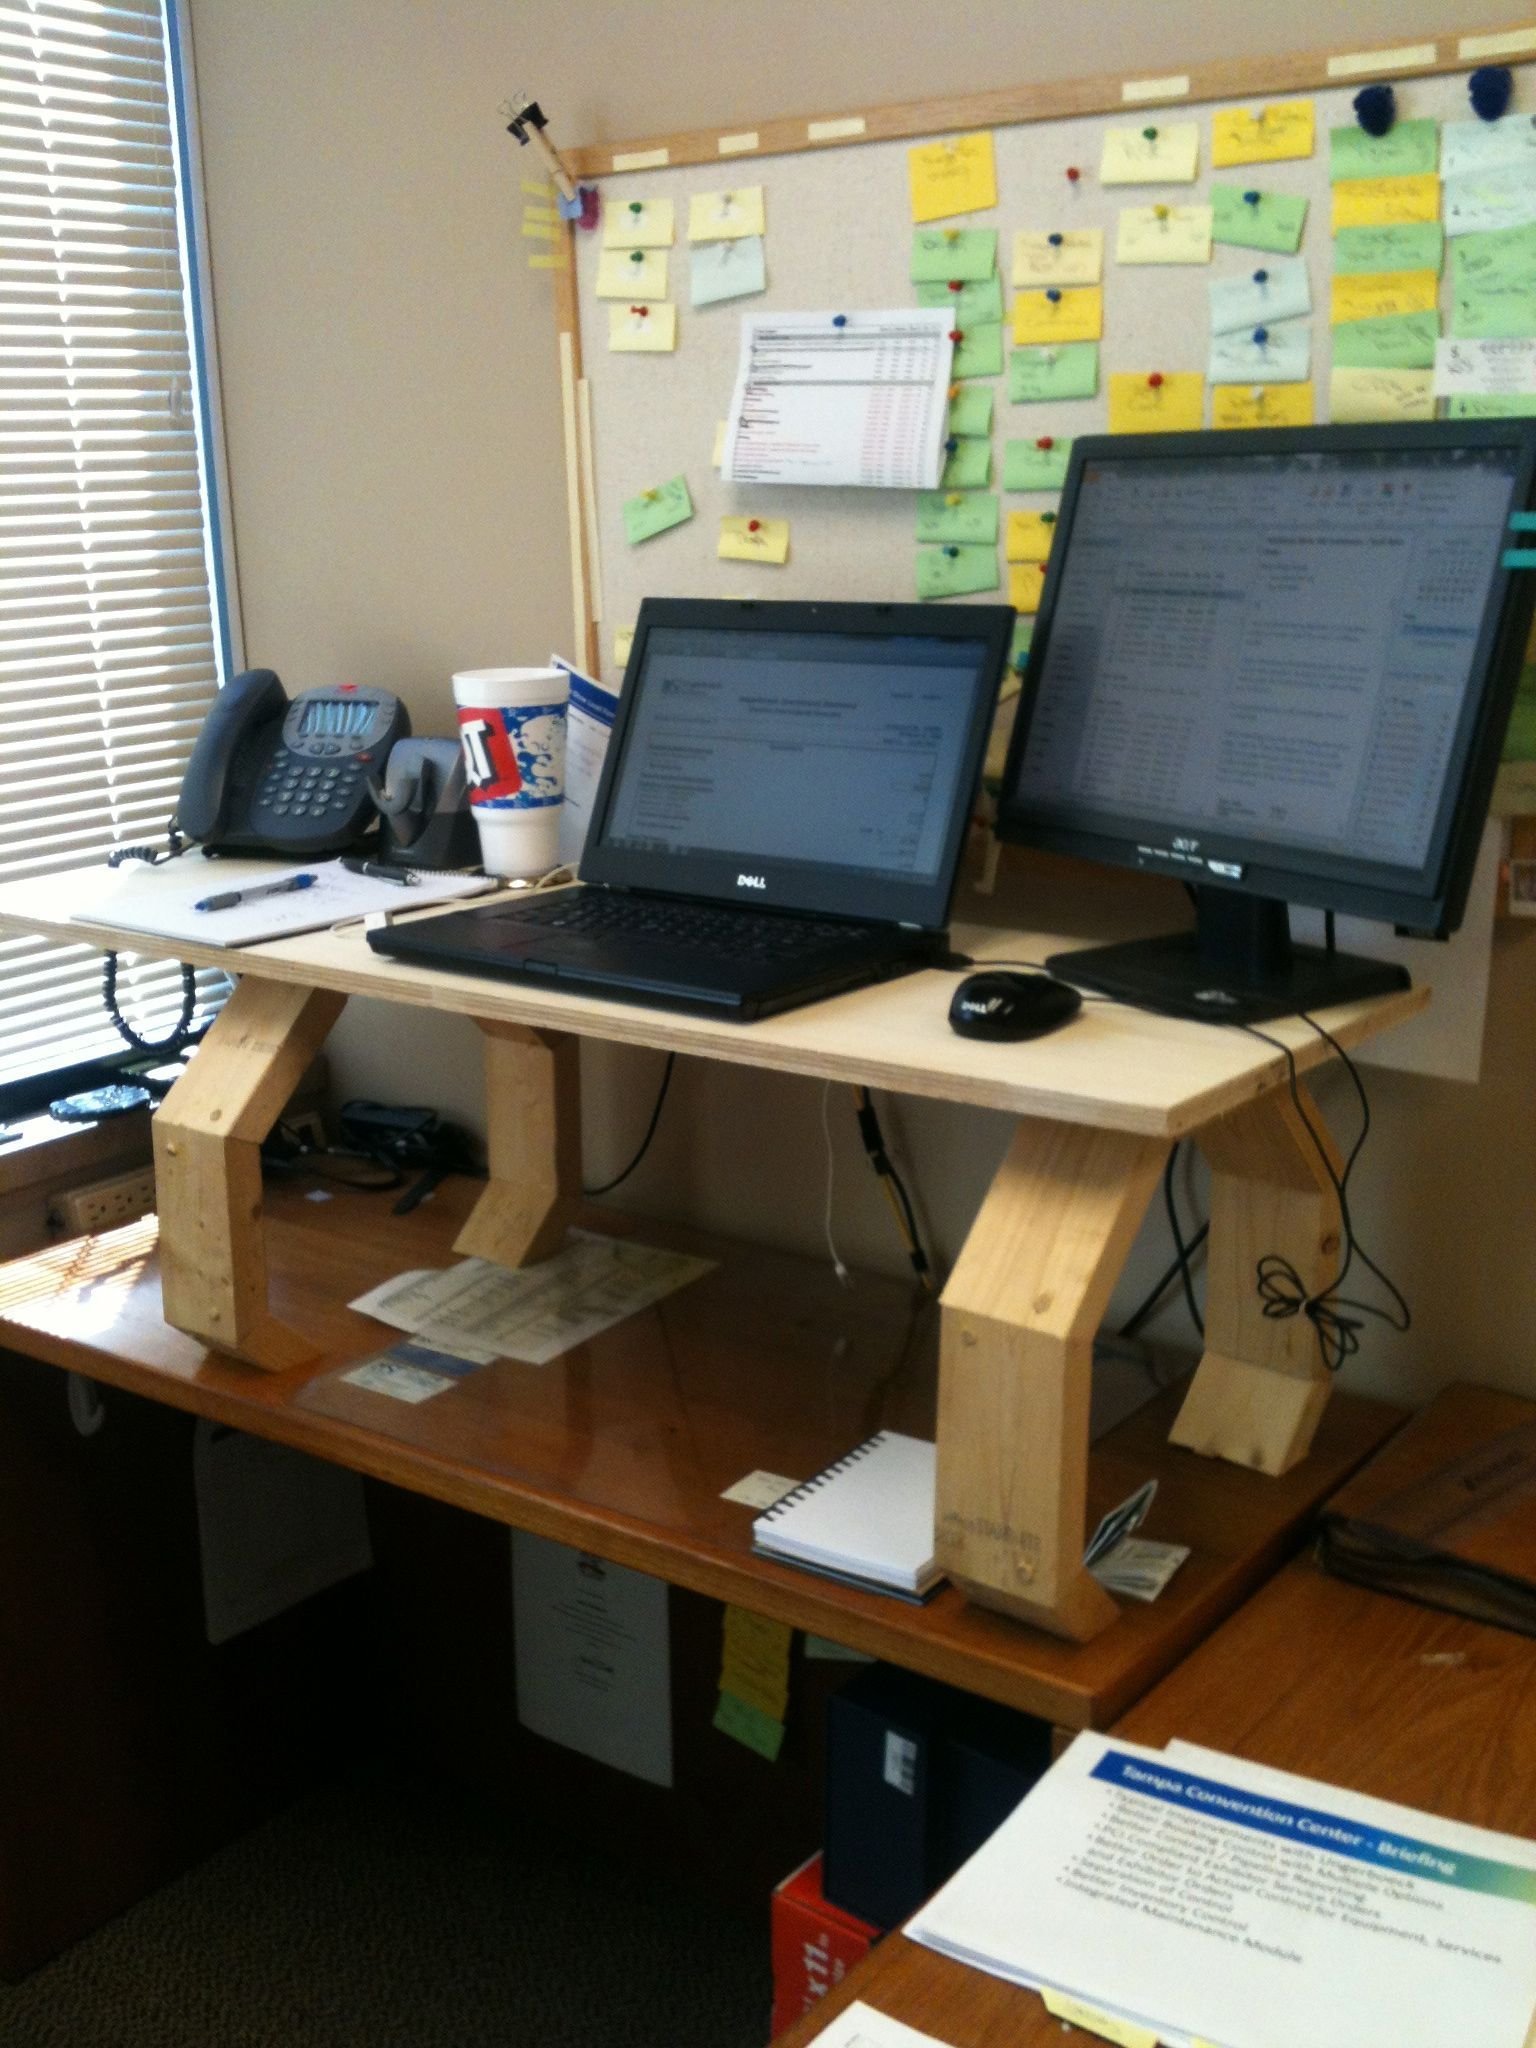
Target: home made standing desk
x,y
1097,1107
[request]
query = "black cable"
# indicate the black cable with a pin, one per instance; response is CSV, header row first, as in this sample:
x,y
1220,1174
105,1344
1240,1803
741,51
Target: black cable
x,y
874,1147
1182,1251
180,1035
173,849
1143,1314
608,1186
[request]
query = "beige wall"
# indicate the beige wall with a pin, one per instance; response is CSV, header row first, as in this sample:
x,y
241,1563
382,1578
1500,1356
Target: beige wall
x,y
389,402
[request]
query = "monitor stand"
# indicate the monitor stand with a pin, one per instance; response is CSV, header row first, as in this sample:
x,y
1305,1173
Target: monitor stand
x,y
1238,966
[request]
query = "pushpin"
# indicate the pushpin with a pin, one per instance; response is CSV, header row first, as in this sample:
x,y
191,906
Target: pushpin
x,y
951,444
1073,174
649,497
953,554
1261,277
1046,442
839,319
637,207
951,235
954,390
1053,295
640,312
957,334
637,255
754,526
1056,240
1047,518
1160,213
1261,336
954,498
955,285
1149,135
1258,394
1155,381
1252,198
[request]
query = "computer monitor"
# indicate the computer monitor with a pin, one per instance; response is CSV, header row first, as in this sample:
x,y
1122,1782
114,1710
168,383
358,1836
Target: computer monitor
x,y
1277,665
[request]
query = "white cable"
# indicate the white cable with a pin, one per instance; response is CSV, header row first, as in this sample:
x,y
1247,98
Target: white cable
x,y
826,1131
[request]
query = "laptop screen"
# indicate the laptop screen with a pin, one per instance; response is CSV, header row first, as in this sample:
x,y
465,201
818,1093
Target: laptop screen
x,y
824,763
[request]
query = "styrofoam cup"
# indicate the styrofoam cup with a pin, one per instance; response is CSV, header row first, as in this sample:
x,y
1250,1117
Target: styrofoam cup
x,y
512,730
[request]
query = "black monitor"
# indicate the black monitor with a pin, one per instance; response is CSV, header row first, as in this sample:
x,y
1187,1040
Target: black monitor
x,y
1277,665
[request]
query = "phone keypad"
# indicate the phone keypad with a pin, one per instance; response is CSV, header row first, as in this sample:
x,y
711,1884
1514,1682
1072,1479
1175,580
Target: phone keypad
x,y
299,787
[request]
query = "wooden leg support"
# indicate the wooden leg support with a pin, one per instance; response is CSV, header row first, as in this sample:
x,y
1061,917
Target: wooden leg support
x,y
1261,1386
1016,1370
207,1139
533,1117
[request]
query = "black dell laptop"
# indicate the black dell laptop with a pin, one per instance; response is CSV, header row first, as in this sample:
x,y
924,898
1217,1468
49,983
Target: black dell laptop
x,y
780,816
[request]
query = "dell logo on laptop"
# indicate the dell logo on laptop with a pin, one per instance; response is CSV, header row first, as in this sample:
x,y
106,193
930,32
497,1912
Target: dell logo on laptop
x,y
751,881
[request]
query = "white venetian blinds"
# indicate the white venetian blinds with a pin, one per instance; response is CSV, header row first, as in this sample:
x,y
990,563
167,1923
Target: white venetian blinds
x,y
107,634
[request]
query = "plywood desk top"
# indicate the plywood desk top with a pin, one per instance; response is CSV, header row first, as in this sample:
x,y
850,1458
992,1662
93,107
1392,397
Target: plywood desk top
x,y
1113,1067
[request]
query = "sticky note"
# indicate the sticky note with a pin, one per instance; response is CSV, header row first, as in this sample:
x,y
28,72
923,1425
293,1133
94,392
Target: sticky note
x,y
1486,406
1261,405
746,1724
1026,580
623,641
1164,234
1355,395
1407,150
979,351
726,270
1284,356
968,255
978,304
541,230
1029,467
1501,368
1059,256
1502,253
650,330
744,538
1371,295
956,175
639,224
1418,246
1385,202
967,516
1019,645
1151,155
1488,145
1029,536
1137,406
970,411
1261,296
1266,135
1396,341
1038,376
956,571
1075,314
1267,220
754,1661
1494,312
653,511
550,259
1110,2027
967,466
631,274
1483,202
726,216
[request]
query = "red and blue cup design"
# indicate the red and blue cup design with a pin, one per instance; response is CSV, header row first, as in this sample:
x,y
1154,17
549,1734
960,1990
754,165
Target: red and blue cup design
x,y
514,755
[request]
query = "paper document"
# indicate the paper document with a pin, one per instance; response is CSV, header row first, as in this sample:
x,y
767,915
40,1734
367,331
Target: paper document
x,y
589,720
860,2026
163,900
477,1308
834,398
1202,1897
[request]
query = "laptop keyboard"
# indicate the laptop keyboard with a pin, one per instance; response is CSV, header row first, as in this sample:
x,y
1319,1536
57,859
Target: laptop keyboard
x,y
726,934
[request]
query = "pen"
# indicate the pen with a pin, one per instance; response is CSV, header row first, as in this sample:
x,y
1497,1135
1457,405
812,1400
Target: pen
x,y
231,897
379,872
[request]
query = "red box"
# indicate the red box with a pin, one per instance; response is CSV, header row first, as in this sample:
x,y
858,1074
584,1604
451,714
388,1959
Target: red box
x,y
815,1944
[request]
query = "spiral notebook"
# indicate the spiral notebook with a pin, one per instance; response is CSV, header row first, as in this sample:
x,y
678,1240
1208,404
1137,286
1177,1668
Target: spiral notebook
x,y
867,1520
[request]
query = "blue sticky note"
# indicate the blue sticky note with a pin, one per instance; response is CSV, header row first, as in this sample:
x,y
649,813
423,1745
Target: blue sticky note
x,y
726,270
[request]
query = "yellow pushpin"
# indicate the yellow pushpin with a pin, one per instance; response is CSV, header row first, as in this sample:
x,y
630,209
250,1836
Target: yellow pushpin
x,y
1160,212
954,498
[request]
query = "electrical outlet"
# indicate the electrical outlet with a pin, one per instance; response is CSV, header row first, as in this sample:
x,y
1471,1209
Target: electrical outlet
x,y
106,1203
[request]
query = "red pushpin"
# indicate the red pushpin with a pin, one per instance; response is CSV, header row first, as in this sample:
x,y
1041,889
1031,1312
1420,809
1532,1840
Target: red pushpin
x,y
641,312
954,390
955,285
1046,442
955,334
1155,381
754,526
1073,174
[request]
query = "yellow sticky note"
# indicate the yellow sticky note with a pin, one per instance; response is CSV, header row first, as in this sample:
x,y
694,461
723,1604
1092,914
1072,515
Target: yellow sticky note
x,y
1056,315
1108,2026
1151,155
1263,135
631,274
1378,293
639,224
754,1663
1261,405
538,188
1381,395
623,640
1385,202
541,230
957,175
1164,234
643,329
1138,405
744,539
1024,585
1029,536
548,259
725,216
1059,256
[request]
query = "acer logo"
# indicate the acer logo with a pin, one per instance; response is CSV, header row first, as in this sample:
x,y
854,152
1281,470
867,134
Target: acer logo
x,y
751,881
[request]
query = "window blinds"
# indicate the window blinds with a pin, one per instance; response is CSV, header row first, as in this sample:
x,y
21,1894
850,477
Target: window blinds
x,y
107,630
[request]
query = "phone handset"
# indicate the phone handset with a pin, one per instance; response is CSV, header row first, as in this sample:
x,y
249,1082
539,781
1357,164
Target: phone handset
x,y
208,790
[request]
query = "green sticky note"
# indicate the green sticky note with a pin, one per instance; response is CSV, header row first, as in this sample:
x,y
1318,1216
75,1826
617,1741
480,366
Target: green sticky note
x,y
1486,406
938,254
1028,467
967,467
979,352
1418,245
750,1725
1407,149
1393,341
1069,370
654,511
1496,311
973,305
973,519
1522,522
1018,651
1507,254
1274,221
1518,558
955,571
970,412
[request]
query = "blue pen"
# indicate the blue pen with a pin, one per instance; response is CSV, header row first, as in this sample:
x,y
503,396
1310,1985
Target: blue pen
x,y
233,896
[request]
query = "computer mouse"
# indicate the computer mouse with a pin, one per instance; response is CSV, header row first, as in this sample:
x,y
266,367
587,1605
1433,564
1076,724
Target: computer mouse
x,y
999,1004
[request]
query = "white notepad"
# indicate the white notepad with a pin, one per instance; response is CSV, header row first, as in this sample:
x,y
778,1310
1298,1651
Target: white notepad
x,y
867,1519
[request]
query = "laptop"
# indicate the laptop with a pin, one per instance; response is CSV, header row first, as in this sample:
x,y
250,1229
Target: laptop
x,y
780,816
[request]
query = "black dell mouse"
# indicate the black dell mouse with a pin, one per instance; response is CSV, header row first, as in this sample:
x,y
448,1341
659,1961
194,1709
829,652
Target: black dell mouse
x,y
997,1004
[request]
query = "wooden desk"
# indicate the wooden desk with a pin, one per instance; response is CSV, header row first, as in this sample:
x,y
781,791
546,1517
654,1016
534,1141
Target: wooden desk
x,y
1315,1676
624,1445
1097,1106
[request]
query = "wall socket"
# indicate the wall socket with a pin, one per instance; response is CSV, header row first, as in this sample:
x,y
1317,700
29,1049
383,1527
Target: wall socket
x,y
106,1203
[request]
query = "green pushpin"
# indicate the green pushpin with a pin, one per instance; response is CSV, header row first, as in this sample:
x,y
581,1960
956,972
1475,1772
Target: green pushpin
x,y
1149,135
638,205
637,255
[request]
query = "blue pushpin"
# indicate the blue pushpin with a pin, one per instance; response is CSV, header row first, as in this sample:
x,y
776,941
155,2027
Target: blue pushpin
x,y
1261,277
953,554
1261,336
839,319
1054,240
951,444
1054,296
1251,198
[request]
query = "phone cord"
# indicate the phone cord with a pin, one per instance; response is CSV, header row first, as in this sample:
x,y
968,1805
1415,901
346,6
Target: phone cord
x,y
181,1029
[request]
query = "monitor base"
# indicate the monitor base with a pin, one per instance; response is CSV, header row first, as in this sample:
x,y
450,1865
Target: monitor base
x,y
1175,976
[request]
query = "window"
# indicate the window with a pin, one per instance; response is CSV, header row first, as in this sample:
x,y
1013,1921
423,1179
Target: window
x,y
112,619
